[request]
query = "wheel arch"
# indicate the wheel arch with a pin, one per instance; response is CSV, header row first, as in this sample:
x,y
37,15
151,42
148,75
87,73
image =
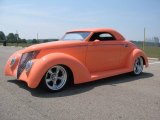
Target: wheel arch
x,y
70,73
77,68
144,61
135,54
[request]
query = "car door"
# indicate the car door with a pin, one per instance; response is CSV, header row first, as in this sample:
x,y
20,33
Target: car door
x,y
126,49
103,53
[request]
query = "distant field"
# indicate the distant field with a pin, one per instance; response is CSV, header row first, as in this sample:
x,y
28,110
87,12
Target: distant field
x,y
150,51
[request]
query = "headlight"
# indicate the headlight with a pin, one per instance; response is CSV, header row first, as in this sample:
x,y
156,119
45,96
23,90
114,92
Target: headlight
x,y
13,61
29,65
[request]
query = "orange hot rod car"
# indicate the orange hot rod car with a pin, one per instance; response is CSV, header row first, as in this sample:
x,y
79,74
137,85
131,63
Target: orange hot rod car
x,y
80,56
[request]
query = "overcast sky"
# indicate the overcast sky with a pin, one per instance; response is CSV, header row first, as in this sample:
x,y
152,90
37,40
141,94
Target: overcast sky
x,y
51,18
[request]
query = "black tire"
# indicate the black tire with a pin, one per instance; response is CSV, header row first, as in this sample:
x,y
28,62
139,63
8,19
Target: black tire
x,y
56,78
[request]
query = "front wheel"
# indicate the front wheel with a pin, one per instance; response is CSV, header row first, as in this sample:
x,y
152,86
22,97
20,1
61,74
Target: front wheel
x,y
138,66
55,78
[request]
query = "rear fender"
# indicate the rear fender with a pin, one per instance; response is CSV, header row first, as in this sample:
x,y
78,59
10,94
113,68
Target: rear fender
x,y
134,55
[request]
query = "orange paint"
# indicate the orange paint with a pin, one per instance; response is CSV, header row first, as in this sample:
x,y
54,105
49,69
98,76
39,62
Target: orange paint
x,y
88,60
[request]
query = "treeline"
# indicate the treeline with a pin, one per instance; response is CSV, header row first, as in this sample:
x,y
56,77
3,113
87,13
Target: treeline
x,y
11,38
14,38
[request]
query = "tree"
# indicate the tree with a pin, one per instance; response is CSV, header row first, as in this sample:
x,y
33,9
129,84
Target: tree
x,y
35,41
45,41
11,38
156,41
2,36
23,41
18,40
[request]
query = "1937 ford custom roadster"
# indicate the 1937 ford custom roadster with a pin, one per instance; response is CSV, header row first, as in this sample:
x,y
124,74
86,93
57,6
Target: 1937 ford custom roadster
x,y
80,56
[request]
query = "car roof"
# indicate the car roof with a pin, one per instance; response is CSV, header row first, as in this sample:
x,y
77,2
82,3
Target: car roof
x,y
110,30
93,30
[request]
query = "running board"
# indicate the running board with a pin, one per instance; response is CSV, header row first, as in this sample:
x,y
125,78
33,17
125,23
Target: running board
x,y
100,75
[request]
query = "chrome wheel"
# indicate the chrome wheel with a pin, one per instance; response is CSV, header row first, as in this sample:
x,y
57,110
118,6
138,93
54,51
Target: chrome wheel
x,y
138,66
56,78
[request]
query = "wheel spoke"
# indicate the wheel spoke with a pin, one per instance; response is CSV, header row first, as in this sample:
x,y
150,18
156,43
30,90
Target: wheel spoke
x,y
50,71
55,86
48,80
55,82
136,67
60,78
140,68
57,70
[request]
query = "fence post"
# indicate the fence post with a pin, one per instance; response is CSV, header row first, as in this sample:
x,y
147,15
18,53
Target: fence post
x,y
144,38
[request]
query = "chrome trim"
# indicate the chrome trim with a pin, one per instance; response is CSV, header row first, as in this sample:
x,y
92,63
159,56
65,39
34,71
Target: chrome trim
x,y
92,44
25,57
17,66
56,78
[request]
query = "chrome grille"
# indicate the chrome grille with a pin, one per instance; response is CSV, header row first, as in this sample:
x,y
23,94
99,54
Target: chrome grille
x,y
23,61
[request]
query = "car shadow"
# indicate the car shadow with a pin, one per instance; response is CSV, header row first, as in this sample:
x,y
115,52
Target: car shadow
x,y
81,88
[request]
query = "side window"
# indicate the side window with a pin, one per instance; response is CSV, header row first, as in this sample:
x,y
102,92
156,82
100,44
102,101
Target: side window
x,y
102,37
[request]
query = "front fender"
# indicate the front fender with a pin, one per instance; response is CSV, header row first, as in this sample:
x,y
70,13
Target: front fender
x,y
135,54
12,71
40,67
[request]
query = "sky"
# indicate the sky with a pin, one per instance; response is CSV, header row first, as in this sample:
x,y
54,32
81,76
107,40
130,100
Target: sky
x,y
52,18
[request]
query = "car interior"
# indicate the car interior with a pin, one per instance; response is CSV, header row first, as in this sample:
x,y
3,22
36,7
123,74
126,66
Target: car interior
x,y
102,36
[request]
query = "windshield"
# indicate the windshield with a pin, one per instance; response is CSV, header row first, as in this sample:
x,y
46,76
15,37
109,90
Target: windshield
x,y
75,36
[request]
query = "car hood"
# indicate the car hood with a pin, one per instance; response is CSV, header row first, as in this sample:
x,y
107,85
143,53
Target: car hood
x,y
53,45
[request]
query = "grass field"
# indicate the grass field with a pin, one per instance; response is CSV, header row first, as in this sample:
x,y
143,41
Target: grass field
x,y
150,51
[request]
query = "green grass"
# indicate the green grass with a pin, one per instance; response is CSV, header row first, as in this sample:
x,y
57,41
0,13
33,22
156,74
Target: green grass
x,y
152,51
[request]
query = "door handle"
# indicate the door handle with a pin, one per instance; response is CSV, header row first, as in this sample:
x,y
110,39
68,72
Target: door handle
x,y
126,45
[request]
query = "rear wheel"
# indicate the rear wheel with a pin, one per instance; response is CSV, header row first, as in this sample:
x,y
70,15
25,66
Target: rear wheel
x,y
56,78
138,66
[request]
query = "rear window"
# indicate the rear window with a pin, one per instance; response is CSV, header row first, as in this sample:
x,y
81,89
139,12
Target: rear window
x,y
102,36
